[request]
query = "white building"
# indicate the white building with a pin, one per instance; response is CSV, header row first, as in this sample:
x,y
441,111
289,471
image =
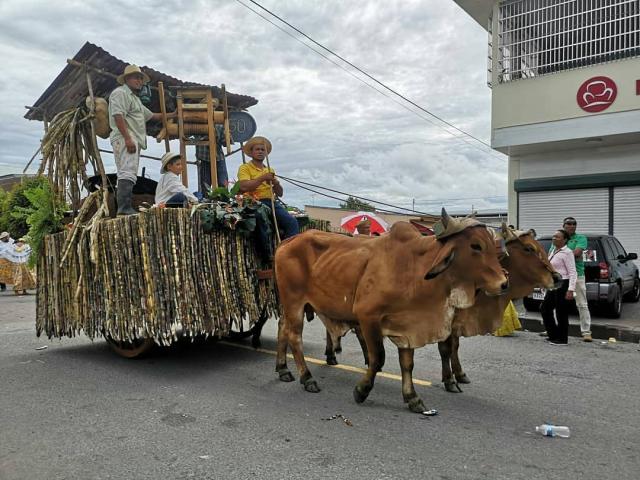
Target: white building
x,y
565,80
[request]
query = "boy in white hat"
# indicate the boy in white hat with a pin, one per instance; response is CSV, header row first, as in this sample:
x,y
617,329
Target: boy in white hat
x,y
170,189
127,119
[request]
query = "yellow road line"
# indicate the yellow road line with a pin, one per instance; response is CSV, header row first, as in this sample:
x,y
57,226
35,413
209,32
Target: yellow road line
x,y
317,361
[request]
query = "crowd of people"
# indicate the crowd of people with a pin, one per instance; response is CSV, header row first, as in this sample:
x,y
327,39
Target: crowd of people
x,y
14,271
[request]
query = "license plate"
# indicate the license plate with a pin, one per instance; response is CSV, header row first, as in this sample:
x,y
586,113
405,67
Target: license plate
x,y
538,294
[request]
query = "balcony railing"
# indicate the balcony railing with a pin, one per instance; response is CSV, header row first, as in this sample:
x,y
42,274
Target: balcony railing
x,y
539,37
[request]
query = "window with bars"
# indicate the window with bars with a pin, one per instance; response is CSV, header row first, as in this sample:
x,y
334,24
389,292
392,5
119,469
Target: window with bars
x,y
538,37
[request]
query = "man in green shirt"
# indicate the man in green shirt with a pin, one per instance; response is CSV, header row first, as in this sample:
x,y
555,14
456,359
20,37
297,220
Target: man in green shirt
x,y
127,119
578,244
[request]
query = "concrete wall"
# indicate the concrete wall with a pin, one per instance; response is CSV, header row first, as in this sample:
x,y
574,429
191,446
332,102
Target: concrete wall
x,y
553,96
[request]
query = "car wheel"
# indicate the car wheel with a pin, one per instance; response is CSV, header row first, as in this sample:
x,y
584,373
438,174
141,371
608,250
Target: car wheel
x,y
531,305
613,309
634,294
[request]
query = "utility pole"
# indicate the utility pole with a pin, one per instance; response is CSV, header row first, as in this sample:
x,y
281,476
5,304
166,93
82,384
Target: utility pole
x,y
413,204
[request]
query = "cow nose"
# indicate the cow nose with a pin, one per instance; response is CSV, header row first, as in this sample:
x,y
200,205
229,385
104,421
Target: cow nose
x,y
505,286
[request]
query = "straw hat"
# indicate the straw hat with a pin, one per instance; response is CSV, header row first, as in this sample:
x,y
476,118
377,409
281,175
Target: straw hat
x,y
166,159
130,69
246,148
4,235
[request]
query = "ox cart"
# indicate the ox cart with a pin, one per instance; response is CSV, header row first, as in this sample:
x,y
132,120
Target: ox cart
x,y
162,274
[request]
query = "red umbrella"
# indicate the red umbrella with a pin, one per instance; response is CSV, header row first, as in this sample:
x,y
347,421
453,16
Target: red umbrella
x,y
378,225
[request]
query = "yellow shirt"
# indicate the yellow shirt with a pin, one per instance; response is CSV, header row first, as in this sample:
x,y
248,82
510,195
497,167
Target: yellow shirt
x,y
248,171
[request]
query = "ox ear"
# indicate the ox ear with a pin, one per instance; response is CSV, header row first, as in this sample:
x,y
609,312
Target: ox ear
x,y
441,263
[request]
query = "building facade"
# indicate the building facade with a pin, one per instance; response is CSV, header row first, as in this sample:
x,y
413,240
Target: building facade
x,y
565,81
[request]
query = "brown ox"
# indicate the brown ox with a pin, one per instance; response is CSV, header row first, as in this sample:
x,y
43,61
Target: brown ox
x,y
386,286
528,267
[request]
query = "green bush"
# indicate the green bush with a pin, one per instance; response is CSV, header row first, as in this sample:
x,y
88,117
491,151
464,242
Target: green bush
x,y
10,218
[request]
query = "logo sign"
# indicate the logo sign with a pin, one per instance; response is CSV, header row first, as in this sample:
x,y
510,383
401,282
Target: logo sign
x,y
597,94
242,126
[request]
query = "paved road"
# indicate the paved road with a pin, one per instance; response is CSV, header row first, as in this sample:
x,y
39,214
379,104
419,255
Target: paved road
x,y
77,411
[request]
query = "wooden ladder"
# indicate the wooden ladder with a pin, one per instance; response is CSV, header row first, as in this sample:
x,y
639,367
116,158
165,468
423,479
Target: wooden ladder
x,y
197,102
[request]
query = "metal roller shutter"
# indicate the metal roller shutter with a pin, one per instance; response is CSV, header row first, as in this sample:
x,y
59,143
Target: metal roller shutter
x,y
545,211
626,217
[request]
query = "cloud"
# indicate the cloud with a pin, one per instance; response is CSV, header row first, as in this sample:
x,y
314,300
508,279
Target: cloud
x,y
327,127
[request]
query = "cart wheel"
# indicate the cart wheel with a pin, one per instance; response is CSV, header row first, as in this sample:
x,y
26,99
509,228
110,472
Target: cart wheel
x,y
134,349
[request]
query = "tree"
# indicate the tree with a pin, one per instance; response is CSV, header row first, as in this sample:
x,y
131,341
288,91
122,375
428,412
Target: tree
x,y
356,204
11,218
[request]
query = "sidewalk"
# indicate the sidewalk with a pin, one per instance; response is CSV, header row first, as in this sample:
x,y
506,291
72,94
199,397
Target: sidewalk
x,y
624,329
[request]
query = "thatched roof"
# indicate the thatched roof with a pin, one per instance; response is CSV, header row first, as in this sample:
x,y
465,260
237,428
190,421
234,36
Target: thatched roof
x,y
70,86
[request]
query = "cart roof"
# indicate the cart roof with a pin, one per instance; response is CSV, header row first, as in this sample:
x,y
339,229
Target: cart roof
x,y
70,86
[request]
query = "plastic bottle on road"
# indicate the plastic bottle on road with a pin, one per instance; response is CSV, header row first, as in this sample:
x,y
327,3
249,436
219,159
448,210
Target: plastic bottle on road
x,y
553,431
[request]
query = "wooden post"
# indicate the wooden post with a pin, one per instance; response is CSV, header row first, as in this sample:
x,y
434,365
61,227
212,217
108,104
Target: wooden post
x,y
163,110
183,148
244,160
227,132
213,142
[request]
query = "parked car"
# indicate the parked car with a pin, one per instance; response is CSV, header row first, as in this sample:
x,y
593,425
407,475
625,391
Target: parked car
x,y
610,273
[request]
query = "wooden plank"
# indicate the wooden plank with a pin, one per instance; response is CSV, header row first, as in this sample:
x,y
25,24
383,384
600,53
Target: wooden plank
x,y
213,141
163,110
183,148
227,132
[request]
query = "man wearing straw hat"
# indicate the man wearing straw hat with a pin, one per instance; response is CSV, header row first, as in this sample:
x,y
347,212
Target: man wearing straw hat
x,y
257,178
127,119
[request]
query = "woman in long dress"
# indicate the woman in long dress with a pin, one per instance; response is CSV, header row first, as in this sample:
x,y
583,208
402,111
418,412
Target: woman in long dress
x,y
510,322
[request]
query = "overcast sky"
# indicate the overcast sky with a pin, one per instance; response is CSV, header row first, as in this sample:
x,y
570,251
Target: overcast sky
x,y
327,127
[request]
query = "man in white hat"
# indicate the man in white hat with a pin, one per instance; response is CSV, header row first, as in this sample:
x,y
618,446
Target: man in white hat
x,y
127,119
258,180
170,189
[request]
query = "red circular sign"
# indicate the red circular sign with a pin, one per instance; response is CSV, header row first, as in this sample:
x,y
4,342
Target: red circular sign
x,y
597,94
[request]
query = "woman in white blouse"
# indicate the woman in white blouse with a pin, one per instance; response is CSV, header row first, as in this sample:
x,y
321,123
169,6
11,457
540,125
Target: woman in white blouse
x,y
563,262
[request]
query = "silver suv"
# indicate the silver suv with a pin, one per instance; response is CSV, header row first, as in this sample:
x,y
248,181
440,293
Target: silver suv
x,y
610,274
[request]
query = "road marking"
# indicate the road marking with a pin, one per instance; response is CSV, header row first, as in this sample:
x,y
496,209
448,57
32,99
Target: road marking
x,y
317,361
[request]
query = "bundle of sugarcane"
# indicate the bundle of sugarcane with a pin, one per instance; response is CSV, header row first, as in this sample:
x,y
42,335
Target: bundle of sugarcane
x,y
156,274
67,147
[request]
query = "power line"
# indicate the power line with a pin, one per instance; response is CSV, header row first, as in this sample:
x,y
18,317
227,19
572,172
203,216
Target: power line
x,y
291,180
366,74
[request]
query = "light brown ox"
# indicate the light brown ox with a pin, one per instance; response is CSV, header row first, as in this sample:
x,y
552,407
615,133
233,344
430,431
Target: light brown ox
x,y
402,285
528,267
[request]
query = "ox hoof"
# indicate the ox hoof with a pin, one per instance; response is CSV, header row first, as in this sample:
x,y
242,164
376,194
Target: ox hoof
x,y
452,386
416,405
463,378
360,394
286,376
310,385
332,360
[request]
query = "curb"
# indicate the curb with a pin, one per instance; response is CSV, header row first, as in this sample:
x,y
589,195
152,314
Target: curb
x,y
602,332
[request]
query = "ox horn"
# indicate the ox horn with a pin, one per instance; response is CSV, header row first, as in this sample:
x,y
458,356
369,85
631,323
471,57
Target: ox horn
x,y
507,233
445,218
